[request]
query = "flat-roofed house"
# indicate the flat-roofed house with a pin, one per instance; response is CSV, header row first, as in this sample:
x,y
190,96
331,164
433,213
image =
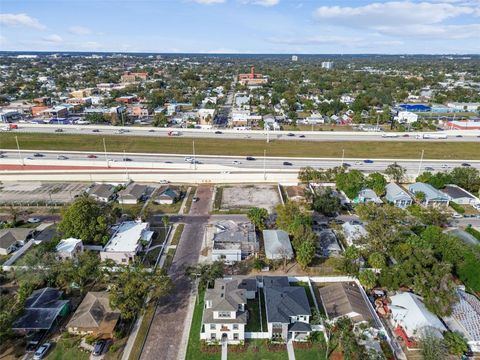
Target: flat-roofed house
x,y
397,196
132,194
69,248
433,197
127,240
344,299
94,316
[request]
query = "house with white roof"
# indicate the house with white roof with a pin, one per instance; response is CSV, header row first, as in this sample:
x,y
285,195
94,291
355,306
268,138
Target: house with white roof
x,y
277,245
353,232
127,240
69,248
410,313
465,318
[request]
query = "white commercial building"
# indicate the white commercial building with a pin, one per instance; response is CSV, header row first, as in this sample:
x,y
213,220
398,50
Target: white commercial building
x,y
127,240
406,117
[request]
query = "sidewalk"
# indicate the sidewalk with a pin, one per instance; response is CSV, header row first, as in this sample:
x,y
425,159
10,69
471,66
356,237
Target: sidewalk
x,y
291,352
188,323
185,198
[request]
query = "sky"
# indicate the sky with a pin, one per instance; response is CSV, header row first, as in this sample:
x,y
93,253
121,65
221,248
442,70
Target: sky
x,y
242,26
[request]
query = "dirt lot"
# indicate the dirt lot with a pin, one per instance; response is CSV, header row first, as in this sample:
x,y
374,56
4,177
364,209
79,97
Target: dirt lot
x,y
245,197
32,193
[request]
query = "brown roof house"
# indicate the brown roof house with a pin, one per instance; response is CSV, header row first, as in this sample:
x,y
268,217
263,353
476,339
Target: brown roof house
x,y
94,316
345,299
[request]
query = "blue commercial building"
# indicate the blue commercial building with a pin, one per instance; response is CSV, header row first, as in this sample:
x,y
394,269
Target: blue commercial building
x,y
415,107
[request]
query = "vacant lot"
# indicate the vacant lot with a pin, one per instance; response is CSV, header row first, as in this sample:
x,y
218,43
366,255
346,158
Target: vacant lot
x,y
32,193
183,145
245,197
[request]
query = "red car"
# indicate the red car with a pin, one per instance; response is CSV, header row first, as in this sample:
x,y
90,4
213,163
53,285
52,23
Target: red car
x,y
91,156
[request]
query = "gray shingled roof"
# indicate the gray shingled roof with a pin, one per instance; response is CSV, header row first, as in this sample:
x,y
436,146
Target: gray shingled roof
x,y
395,192
430,192
133,191
456,192
225,296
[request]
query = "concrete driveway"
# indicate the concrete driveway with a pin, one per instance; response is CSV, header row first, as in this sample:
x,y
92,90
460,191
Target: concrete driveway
x,y
165,335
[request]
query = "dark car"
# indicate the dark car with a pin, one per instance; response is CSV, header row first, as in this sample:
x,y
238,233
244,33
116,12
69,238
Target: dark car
x,y
406,135
218,132
151,130
250,158
290,134
99,347
302,136
38,155
346,165
127,159
58,130
95,130
466,164
428,168
459,136
287,163
368,161
336,221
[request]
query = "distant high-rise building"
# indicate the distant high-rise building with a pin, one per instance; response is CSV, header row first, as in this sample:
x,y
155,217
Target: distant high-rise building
x,y
294,58
327,64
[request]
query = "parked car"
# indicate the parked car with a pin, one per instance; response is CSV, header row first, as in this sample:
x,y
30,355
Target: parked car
x,y
42,351
195,199
287,163
99,347
459,136
33,220
250,158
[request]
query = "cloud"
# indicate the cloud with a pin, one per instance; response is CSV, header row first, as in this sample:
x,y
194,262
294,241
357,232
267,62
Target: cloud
x,y
79,30
209,2
20,20
53,38
447,32
265,3
317,40
391,14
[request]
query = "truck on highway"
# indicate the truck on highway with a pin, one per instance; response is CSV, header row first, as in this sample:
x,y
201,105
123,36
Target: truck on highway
x,y
432,136
9,127
173,133
389,135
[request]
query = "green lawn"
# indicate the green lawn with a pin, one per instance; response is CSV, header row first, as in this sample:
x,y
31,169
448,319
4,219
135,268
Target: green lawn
x,y
182,145
315,353
177,235
253,306
142,332
189,200
67,348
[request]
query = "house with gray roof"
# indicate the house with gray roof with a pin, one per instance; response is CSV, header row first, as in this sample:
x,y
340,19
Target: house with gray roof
x,y
460,196
41,311
353,232
233,241
277,245
102,192
225,314
287,309
132,194
11,237
344,299
168,196
433,197
367,196
397,196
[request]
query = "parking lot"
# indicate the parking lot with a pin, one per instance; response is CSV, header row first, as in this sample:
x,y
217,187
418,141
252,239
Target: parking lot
x,y
245,197
38,193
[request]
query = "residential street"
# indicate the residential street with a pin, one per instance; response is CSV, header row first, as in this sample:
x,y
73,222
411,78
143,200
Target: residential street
x,y
165,335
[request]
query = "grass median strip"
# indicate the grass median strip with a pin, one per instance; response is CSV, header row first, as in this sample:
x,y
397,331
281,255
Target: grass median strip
x,y
434,149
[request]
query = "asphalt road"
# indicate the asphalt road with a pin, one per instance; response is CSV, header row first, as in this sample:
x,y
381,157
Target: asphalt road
x,y
165,335
456,136
227,163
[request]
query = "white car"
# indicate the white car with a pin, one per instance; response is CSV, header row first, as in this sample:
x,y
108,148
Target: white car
x,y
33,220
225,172
445,166
188,159
62,157
457,215
164,182
236,162
42,351
358,163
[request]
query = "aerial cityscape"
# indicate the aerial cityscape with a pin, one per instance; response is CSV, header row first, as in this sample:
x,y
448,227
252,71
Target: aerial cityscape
x,y
239,179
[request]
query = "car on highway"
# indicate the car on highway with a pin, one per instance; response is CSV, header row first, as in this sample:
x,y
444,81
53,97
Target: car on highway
x,y
429,168
42,351
368,161
92,156
236,162
287,163
459,136
120,131
466,164
218,132
225,172
38,155
302,136
346,165
151,130
290,134
95,130
33,220
406,135
58,130
164,182
2,156
358,163
188,159
127,159
445,166
249,158
62,157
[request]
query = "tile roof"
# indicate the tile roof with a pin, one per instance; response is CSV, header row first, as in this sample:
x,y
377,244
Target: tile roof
x,y
467,312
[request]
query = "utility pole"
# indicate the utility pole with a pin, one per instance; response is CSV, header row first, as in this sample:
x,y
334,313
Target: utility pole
x,y
268,133
343,157
126,166
264,165
194,160
421,161
105,152
19,154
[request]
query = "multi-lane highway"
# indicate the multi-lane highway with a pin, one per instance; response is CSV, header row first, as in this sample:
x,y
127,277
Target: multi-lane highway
x,y
221,163
454,135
